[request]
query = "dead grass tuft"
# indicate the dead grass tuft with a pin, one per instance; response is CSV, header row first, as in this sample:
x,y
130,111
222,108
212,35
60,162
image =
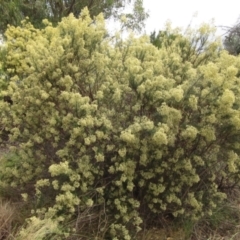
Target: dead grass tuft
x,y
7,216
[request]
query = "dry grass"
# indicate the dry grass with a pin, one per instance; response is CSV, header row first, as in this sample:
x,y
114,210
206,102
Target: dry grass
x,y
38,229
162,234
7,216
224,224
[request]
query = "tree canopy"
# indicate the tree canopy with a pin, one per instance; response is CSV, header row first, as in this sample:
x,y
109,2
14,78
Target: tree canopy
x,y
14,11
232,39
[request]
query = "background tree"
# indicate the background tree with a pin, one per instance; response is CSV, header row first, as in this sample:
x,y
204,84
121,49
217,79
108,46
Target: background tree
x,y
232,39
14,11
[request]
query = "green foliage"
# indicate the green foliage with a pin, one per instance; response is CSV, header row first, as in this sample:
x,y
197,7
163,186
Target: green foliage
x,y
122,126
14,11
163,37
232,39
9,15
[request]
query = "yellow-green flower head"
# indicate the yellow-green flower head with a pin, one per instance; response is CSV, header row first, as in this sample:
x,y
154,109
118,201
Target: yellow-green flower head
x,y
177,94
122,152
228,98
128,137
160,138
190,132
193,102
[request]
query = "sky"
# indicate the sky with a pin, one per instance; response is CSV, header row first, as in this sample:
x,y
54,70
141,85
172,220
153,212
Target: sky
x,y
181,12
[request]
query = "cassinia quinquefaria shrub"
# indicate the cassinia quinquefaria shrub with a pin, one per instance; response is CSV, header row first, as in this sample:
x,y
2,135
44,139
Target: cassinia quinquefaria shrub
x,y
121,125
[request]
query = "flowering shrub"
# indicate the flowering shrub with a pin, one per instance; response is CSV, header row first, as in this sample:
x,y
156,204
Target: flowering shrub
x,y
120,125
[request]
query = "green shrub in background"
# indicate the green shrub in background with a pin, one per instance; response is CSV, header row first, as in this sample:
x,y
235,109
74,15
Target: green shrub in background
x,y
120,126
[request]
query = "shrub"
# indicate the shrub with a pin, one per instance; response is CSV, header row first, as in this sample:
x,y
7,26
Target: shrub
x,y
121,126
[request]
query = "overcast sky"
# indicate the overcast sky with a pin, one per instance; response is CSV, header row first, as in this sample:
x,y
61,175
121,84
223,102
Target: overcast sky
x,y
180,12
